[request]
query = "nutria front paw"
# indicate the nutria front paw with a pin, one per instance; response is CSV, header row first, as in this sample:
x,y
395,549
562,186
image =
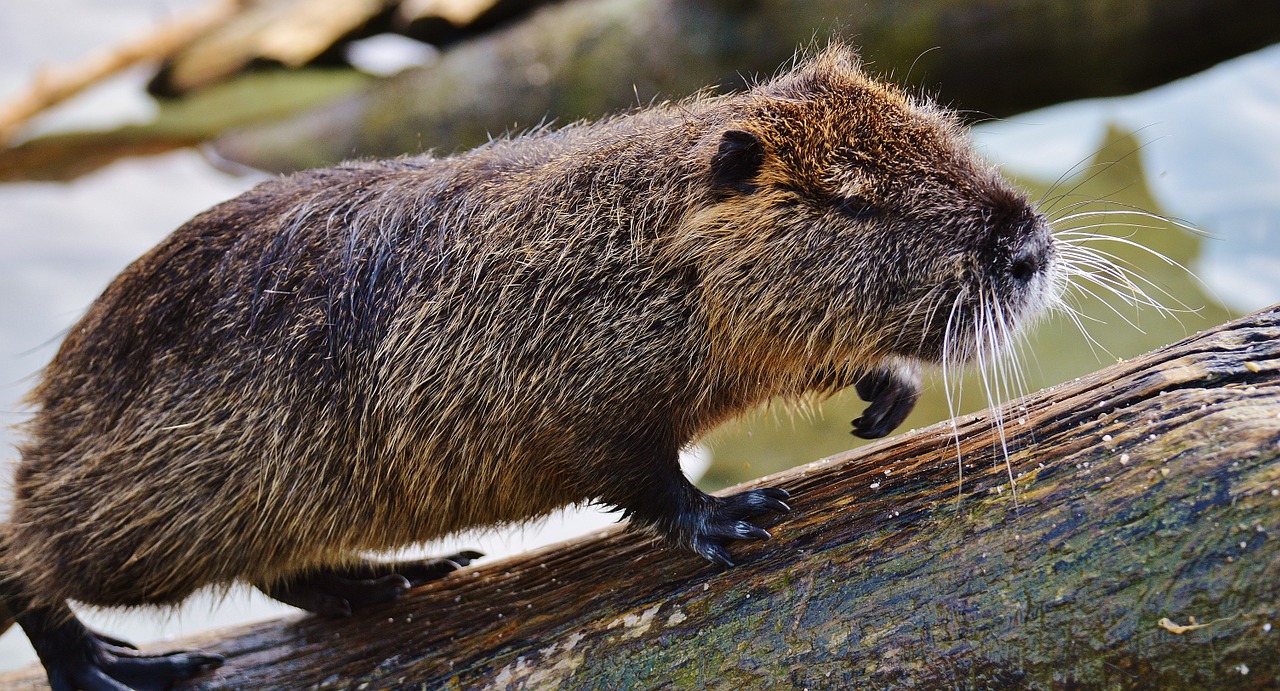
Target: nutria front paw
x,y
725,519
891,394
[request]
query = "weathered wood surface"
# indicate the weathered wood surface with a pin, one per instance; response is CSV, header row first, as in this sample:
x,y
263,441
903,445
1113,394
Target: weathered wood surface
x,y
586,58
1142,551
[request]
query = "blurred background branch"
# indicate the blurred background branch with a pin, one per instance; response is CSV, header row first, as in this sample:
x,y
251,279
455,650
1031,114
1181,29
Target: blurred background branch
x,y
51,86
502,65
584,58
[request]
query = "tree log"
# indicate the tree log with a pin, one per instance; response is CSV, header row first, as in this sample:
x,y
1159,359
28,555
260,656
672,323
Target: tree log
x,y
586,58
1142,550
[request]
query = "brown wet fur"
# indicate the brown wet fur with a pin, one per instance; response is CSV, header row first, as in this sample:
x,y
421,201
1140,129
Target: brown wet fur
x,y
374,355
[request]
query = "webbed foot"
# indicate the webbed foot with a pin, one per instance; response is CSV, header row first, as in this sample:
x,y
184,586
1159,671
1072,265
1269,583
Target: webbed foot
x,y
339,591
76,658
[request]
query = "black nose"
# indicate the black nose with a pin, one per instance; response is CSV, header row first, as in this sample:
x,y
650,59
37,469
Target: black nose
x,y
1026,263
1032,256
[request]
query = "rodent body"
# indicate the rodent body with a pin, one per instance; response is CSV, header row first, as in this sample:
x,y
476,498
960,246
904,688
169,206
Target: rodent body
x,y
371,356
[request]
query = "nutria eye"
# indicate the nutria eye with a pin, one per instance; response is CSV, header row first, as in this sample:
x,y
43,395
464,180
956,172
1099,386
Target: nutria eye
x,y
856,208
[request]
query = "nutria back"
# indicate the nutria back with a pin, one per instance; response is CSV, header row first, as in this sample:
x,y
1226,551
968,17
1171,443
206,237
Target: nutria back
x,y
378,354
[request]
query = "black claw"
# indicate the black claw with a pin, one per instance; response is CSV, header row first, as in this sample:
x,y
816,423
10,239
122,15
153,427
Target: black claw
x,y
204,662
771,499
755,502
726,520
392,584
715,553
141,672
77,658
426,570
113,641
430,569
176,664
363,593
776,505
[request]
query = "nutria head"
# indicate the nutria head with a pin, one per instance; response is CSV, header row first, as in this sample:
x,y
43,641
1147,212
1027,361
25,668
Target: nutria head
x,y
851,222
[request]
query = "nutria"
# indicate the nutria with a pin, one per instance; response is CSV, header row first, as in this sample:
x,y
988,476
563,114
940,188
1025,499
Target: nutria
x,y
370,356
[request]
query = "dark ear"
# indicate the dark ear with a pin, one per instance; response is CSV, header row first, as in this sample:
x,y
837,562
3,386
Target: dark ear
x,y
738,161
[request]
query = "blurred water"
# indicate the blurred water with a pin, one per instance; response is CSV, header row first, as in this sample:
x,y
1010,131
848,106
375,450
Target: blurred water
x,y
1211,156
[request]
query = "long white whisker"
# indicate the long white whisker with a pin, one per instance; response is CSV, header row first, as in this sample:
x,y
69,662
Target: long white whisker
x,y
1124,288
1144,248
947,341
987,356
1080,287
1079,165
1107,266
1131,211
1075,316
1102,168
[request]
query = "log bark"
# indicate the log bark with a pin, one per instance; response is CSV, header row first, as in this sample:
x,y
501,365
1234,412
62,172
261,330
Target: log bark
x,y
586,58
1142,550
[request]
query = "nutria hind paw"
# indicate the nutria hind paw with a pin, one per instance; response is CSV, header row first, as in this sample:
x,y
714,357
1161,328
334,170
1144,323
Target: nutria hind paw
x,y
725,521
98,664
332,595
416,572
340,591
